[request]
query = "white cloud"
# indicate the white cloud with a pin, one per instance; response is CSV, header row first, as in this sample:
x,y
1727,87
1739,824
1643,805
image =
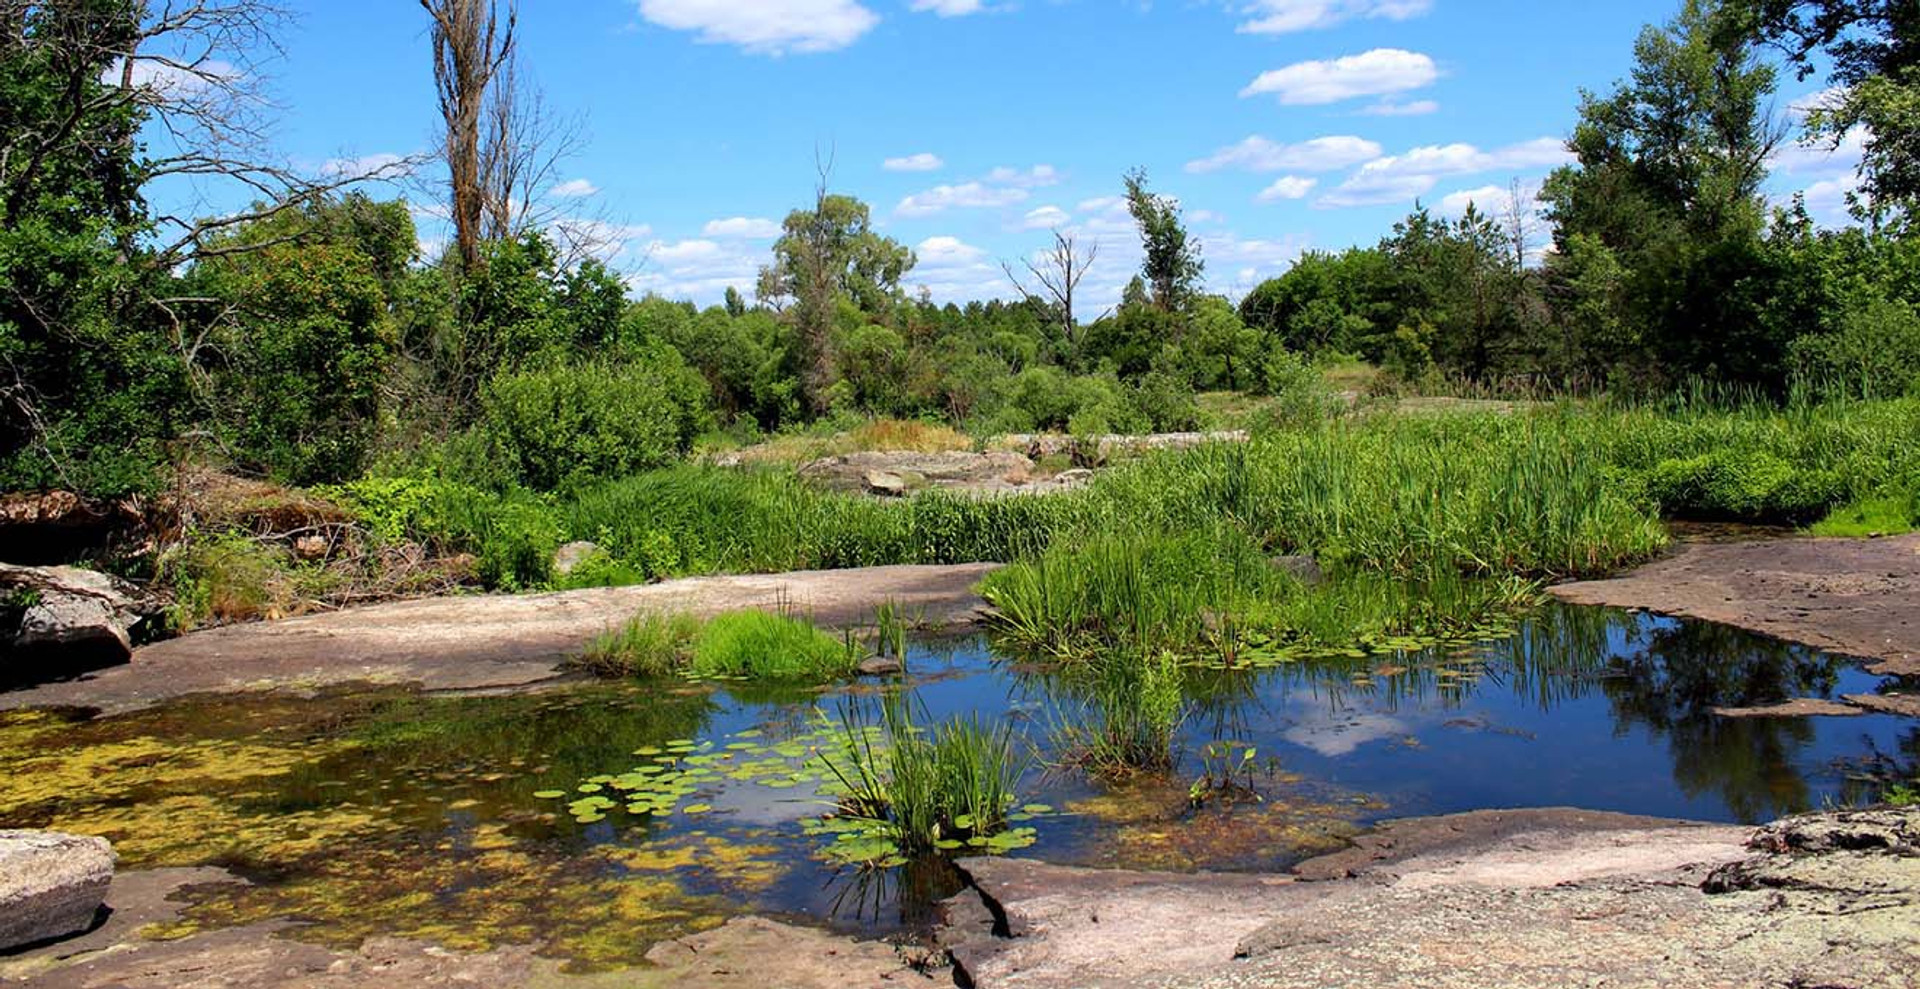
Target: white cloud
x,y
1374,73
1827,199
1044,218
967,195
1822,157
766,27
1257,154
1402,177
1286,187
382,162
1393,108
949,8
746,227
1032,178
573,189
943,252
1286,16
925,161
173,79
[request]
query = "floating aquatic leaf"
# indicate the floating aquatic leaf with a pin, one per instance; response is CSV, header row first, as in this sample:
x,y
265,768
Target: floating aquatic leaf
x,y
549,794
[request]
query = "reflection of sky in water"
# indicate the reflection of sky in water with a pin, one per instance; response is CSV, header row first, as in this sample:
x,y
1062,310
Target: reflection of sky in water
x,y
1338,732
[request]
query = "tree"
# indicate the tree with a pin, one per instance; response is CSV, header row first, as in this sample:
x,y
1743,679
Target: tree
x,y
98,98
1058,273
1172,267
1872,50
824,255
470,49
1667,178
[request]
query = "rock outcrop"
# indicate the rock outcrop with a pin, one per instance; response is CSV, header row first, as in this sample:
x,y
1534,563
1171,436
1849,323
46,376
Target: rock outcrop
x,y
70,615
51,885
1489,900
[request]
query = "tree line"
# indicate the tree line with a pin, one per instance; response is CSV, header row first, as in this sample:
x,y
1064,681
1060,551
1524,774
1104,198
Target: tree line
x,y
306,338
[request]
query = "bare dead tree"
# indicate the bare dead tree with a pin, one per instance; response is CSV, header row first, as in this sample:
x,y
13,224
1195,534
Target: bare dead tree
x,y
1521,219
470,47
1058,273
194,72
524,146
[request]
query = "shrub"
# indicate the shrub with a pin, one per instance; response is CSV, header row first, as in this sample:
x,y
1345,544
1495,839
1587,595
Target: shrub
x,y
1874,353
567,423
1750,485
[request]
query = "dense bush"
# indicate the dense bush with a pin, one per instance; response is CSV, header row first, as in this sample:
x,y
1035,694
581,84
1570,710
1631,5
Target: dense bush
x,y
568,422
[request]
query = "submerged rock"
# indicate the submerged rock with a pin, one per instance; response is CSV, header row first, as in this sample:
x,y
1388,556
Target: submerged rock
x,y
70,614
875,666
51,884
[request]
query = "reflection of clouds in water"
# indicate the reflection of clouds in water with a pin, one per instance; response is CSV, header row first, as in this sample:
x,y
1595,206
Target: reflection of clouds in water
x,y
751,803
1336,733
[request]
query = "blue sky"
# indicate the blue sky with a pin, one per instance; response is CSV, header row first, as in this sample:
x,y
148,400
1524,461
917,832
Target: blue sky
x,y
973,126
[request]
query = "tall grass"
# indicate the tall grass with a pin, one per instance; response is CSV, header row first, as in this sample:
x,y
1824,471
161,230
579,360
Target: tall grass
x,y
926,790
745,645
1130,716
1568,490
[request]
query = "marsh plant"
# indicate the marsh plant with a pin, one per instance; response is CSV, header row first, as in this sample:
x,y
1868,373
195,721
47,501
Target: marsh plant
x,y
1213,597
905,791
743,645
1129,720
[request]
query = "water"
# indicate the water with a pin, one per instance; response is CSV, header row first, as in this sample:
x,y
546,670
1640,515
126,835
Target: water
x,y
437,817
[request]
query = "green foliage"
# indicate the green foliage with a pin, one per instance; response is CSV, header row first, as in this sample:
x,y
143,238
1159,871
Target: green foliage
x,y
756,645
648,645
302,360
1172,265
927,791
1130,717
1874,352
1742,485
565,423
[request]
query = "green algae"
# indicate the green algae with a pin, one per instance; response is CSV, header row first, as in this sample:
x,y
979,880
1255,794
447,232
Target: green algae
x,y
390,813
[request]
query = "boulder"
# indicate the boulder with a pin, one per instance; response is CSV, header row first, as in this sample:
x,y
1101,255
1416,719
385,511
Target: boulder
x,y
1304,569
72,614
875,666
886,482
568,558
51,885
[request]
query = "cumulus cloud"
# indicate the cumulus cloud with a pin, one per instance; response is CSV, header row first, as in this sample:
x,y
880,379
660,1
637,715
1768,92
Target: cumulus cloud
x,y
573,189
949,8
744,227
1287,16
1002,187
944,251
1374,73
1044,218
382,163
967,195
952,270
1399,178
1822,157
925,161
1393,108
766,27
1286,187
1032,178
1257,154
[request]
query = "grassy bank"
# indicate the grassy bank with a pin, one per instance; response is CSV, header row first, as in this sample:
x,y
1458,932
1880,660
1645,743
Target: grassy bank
x,y
1564,490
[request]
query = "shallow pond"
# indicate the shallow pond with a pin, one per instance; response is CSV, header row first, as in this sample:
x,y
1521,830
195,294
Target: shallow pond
x,y
461,819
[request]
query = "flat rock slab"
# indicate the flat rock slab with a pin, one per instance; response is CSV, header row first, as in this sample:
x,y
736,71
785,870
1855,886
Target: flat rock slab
x,y
1858,597
1491,900
494,640
51,885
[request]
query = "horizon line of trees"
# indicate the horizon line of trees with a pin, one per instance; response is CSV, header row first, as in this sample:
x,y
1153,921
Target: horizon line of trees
x,y
306,339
